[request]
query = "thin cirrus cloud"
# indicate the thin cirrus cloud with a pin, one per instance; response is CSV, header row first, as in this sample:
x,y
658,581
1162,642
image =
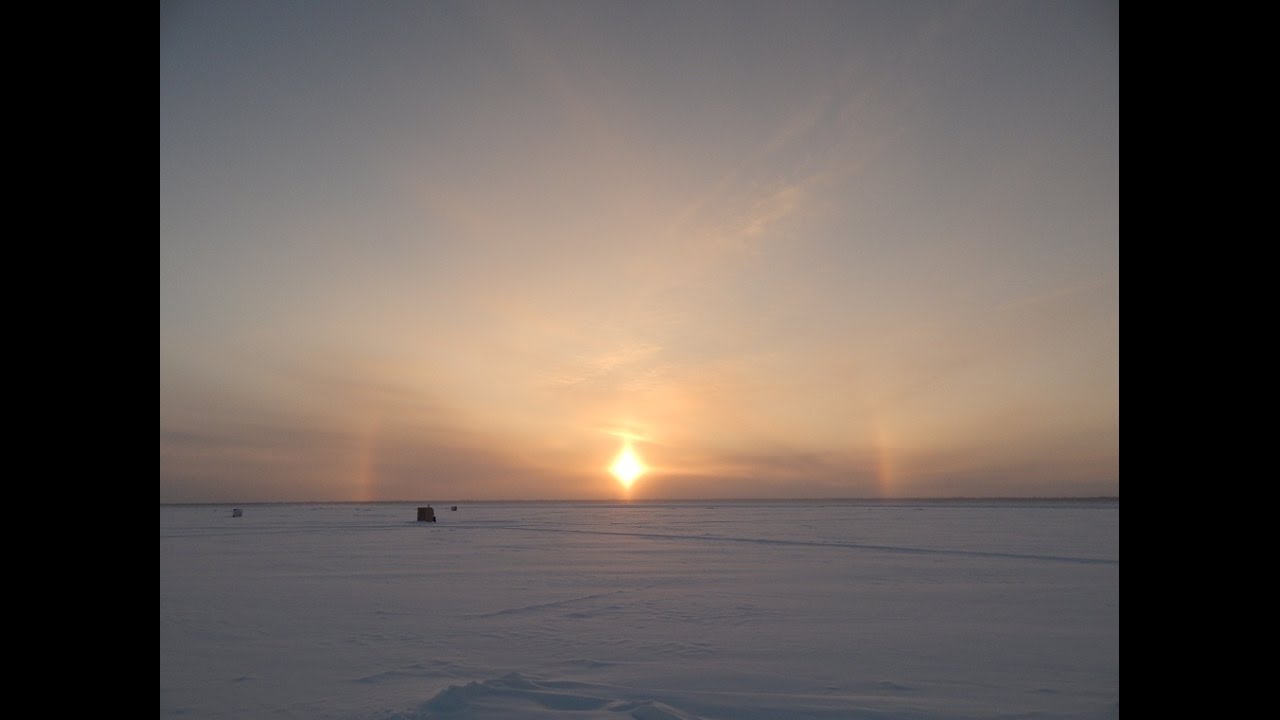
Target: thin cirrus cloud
x,y
839,250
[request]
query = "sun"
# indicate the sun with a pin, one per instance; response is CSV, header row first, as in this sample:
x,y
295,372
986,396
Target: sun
x,y
627,466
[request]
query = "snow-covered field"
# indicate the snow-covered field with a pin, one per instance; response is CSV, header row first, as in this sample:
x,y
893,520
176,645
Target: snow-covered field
x,y
721,610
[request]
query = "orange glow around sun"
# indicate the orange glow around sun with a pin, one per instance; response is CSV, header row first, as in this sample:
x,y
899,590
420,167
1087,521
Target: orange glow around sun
x,y
627,466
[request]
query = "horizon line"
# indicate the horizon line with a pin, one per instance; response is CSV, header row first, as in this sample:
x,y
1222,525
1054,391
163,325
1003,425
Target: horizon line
x,y
630,501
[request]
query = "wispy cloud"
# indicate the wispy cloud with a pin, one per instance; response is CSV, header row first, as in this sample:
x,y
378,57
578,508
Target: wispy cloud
x,y
755,241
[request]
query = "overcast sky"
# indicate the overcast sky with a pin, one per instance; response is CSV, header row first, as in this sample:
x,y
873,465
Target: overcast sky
x,y
784,249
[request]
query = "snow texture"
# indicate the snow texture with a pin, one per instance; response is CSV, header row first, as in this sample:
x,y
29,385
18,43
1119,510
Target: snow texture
x,y
644,611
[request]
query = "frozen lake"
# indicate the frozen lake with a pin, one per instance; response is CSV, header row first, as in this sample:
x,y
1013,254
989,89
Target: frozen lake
x,y
712,610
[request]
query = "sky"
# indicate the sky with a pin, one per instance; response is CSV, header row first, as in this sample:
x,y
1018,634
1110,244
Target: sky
x,y
476,250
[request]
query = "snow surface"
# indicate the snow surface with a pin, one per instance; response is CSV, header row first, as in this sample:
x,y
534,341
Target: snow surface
x,y
651,611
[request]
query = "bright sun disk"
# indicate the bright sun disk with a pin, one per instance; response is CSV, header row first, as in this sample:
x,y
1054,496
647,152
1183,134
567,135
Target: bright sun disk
x,y
627,467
